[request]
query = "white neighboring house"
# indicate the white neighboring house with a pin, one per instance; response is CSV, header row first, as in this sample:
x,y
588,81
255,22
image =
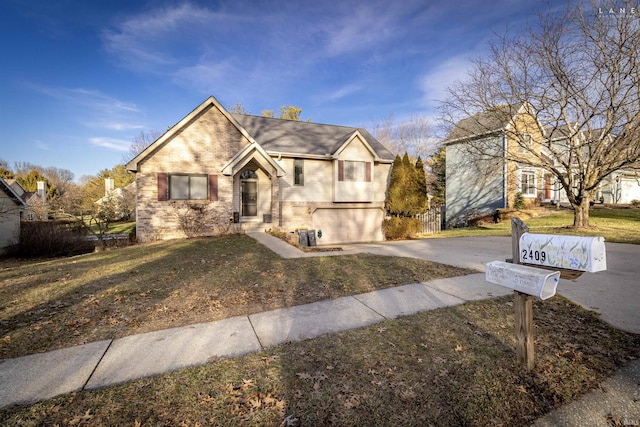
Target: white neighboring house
x,y
121,199
11,205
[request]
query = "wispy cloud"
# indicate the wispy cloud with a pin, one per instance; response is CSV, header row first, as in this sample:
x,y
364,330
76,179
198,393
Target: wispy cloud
x,y
204,77
90,98
354,32
339,93
97,109
121,126
202,46
43,146
111,143
162,37
434,84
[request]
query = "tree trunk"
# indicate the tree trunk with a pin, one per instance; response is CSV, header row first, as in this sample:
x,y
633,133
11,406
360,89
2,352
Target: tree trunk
x,y
581,213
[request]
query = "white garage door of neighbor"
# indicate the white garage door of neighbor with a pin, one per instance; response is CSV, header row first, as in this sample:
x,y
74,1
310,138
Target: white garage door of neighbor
x,y
348,225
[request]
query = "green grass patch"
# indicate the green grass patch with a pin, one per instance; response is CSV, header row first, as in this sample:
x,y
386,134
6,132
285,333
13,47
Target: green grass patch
x,y
615,225
447,367
120,227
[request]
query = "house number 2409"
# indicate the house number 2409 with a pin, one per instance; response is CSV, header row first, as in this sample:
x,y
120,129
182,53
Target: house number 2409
x,y
534,255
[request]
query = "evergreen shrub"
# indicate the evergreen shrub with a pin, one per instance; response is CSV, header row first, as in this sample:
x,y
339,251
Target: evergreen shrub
x,y
397,228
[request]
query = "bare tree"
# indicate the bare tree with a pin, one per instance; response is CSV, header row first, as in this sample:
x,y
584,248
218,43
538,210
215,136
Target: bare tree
x,y
415,136
140,142
577,71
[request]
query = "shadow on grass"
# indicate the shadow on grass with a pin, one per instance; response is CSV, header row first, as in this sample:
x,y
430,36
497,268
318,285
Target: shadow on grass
x,y
451,366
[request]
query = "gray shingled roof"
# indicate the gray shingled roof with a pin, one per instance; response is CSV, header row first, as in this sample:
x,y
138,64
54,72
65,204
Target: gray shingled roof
x,y
485,122
304,138
11,193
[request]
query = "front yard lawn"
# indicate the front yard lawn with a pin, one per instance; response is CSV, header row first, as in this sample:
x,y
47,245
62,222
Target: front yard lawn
x,y
45,305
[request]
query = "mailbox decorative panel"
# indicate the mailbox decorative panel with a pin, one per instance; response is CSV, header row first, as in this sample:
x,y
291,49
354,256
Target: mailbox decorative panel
x,y
566,252
529,280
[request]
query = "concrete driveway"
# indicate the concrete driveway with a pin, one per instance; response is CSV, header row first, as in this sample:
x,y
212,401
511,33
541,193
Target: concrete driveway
x,y
614,293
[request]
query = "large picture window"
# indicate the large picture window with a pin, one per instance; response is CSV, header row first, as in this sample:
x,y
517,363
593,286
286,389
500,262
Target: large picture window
x,y
188,187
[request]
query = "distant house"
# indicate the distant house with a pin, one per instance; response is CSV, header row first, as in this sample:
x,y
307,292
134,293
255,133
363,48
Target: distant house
x,y
121,199
11,205
263,173
36,206
478,184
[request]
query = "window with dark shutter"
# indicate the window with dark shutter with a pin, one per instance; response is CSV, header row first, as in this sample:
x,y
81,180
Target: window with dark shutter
x,y
213,188
340,170
187,187
163,187
367,172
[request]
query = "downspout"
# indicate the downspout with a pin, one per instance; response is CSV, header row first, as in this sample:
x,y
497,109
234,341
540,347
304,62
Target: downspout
x,y
505,171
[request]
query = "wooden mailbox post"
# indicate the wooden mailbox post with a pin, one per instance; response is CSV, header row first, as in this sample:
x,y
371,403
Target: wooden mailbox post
x,y
534,255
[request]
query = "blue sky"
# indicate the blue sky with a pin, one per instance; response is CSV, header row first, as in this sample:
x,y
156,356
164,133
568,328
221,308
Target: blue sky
x,y
80,78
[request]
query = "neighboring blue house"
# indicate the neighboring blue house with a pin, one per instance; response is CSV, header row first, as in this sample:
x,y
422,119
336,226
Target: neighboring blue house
x,y
480,179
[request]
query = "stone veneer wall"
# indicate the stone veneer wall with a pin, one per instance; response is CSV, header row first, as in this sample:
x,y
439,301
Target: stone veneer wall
x,y
203,146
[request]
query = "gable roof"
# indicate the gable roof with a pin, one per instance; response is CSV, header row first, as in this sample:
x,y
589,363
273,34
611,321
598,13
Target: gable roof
x,y
209,102
292,137
4,186
485,123
251,152
277,136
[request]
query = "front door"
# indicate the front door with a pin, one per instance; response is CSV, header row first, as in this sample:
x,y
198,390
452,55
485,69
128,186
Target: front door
x,y
547,186
249,197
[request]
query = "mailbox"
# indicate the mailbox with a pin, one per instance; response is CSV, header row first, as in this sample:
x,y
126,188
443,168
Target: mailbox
x,y
565,252
529,280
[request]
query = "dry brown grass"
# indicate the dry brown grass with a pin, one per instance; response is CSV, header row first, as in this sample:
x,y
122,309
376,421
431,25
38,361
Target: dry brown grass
x,y
45,305
448,367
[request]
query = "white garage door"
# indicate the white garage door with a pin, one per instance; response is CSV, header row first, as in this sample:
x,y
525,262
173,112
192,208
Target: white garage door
x,y
348,225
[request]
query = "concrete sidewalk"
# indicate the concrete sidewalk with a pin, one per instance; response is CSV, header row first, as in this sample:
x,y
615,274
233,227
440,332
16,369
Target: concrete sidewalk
x,y
99,364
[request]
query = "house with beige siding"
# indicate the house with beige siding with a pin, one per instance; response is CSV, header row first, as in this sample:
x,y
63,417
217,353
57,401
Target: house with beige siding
x,y
260,173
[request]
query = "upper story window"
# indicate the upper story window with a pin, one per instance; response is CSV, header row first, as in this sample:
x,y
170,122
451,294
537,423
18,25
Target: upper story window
x,y
525,143
354,171
298,172
188,187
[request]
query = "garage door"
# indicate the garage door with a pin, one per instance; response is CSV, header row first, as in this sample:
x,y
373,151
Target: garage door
x,y
348,225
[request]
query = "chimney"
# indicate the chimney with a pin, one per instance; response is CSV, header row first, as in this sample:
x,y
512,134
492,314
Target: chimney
x,y
108,185
42,190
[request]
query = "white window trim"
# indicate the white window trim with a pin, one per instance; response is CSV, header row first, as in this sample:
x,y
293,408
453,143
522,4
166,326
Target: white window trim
x,y
535,183
356,169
